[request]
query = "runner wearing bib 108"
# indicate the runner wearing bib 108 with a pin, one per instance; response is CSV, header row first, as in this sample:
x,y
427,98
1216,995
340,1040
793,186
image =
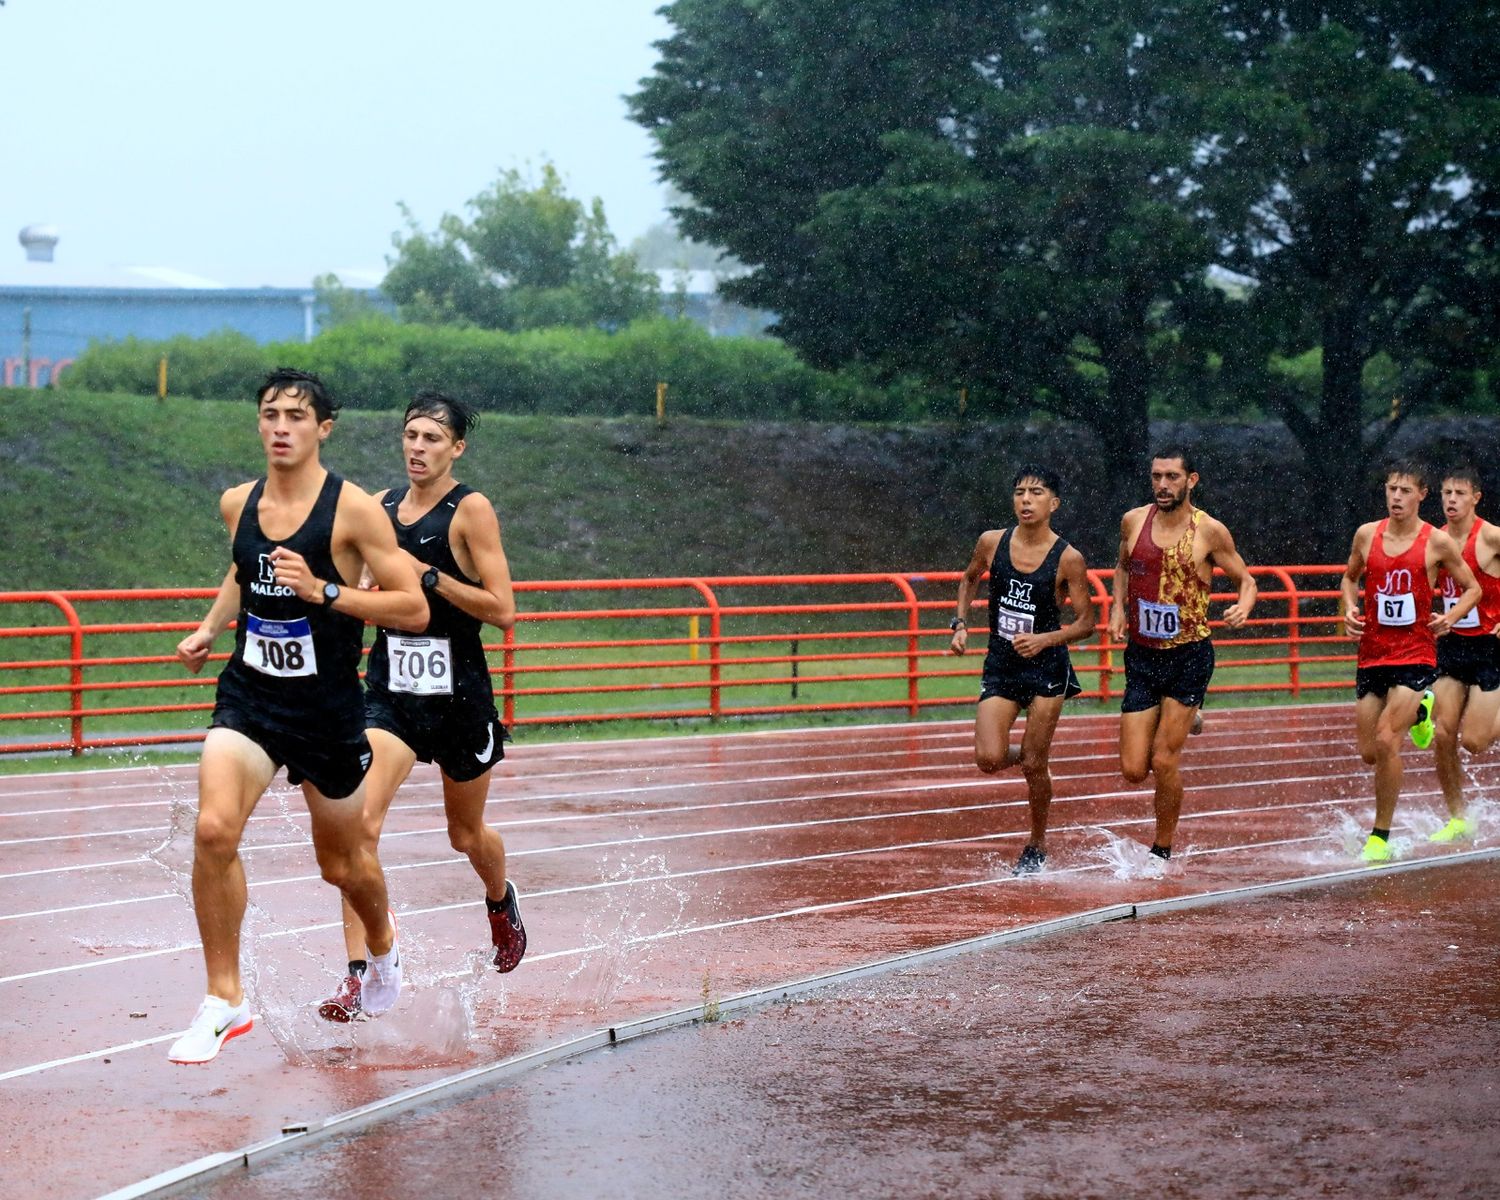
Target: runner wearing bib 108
x,y
1466,706
428,693
1392,617
1168,552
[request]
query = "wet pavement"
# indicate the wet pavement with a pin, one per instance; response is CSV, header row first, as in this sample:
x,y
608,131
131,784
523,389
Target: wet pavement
x,y
1337,1041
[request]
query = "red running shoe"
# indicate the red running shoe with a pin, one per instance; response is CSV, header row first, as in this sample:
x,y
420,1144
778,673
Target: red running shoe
x,y
344,1005
507,932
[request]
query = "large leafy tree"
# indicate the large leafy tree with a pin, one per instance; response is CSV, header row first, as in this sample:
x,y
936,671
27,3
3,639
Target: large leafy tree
x,y
1349,169
985,193
527,256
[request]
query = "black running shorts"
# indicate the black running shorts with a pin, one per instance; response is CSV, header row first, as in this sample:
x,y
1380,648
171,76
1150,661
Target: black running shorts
x,y
464,740
1050,674
335,765
1377,681
1473,661
1180,673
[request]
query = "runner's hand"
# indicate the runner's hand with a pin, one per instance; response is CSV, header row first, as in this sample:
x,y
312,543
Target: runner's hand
x,y
1354,624
292,571
1236,615
1117,624
193,650
1028,645
960,641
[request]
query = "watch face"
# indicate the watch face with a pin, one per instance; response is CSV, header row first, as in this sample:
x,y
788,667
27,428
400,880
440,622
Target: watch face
x,y
430,579
330,593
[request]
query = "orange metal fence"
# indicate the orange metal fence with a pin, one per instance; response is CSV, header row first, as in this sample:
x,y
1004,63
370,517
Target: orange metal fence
x,y
635,649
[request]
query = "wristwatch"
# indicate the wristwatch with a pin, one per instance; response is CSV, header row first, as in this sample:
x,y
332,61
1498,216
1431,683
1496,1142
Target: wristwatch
x,y
957,623
331,592
430,579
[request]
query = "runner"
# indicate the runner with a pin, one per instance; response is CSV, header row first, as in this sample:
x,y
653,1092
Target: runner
x,y
290,692
1393,620
1466,705
1168,552
429,697
1032,573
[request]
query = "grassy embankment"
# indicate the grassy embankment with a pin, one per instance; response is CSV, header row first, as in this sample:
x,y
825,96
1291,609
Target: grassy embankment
x,y
121,491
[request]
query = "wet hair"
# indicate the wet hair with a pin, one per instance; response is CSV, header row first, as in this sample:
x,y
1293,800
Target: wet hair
x,y
1043,475
1464,474
445,410
300,383
1175,450
1406,466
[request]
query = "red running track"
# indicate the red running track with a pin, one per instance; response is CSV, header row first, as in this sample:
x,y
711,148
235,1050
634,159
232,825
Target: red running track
x,y
654,874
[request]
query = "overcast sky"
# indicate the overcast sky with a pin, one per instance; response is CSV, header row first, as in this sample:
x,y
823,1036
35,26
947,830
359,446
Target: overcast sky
x,y
267,142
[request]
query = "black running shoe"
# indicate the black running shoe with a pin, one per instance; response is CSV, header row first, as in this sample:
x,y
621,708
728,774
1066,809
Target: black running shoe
x,y
507,932
1031,861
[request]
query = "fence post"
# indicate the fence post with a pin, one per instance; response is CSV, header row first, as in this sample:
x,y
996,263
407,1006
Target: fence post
x,y
913,646
661,403
508,677
1293,630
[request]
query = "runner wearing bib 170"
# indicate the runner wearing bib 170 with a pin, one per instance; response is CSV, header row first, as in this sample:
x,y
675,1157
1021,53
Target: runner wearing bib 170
x,y
1392,616
290,693
1168,552
1033,573
429,696
1466,704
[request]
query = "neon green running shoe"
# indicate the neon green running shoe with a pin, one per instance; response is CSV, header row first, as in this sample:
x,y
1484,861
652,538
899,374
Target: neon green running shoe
x,y
1459,829
1421,728
1377,849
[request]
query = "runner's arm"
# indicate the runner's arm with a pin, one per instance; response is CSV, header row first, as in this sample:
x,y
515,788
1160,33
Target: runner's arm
x,y
1120,586
477,531
1450,558
1227,559
968,586
1075,574
1354,621
193,650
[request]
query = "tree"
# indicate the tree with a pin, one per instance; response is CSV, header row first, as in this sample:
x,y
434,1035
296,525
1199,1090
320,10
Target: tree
x,y
982,193
1349,168
529,256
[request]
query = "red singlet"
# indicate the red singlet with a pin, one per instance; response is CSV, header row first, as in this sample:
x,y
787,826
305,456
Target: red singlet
x,y
1484,616
1398,605
1168,601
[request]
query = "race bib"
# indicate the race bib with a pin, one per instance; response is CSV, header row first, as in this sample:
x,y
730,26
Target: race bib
x,y
283,649
1395,610
420,666
1010,624
1470,619
1158,621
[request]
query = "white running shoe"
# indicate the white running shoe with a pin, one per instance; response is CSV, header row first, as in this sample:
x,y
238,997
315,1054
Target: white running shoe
x,y
215,1023
382,982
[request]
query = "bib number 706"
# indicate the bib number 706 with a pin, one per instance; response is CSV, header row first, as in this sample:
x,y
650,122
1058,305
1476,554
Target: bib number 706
x,y
420,666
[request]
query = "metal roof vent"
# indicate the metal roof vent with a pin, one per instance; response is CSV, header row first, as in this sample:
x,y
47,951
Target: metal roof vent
x,y
39,241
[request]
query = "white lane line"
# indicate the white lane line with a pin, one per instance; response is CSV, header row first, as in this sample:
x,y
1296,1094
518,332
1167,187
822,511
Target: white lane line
x,y
321,926
719,926
297,815
961,738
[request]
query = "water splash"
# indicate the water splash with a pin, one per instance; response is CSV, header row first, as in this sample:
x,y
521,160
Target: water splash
x,y
1126,858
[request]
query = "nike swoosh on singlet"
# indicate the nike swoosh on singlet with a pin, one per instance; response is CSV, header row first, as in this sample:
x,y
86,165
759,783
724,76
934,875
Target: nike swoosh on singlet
x,y
483,755
425,540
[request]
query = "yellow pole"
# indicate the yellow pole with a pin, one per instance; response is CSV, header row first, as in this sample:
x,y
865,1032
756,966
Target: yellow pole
x,y
963,400
693,634
661,403
161,378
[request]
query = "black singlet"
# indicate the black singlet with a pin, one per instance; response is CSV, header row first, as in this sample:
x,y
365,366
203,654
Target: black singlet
x,y
422,658
293,661
1022,602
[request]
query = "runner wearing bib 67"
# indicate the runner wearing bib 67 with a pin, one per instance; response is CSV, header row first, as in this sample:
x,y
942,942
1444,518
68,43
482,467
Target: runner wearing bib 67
x,y
1466,704
1392,615
1168,552
428,692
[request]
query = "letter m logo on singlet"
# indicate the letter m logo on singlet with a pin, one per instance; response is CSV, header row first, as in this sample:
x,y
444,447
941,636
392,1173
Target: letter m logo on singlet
x,y
267,571
1396,581
1019,590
